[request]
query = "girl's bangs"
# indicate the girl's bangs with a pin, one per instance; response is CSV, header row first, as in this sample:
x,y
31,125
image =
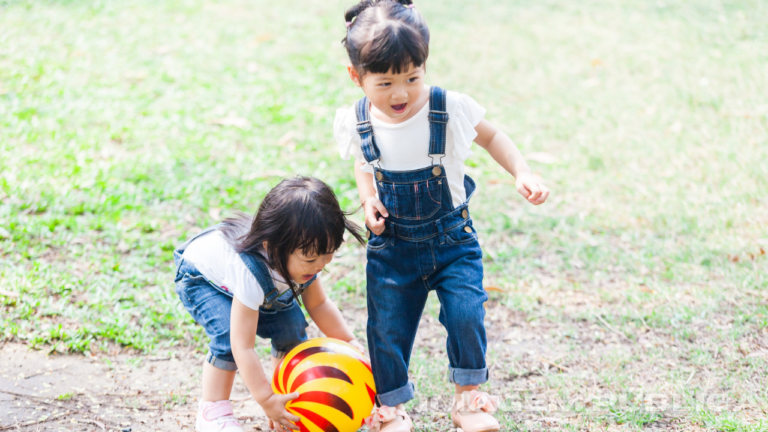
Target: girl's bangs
x,y
394,50
321,240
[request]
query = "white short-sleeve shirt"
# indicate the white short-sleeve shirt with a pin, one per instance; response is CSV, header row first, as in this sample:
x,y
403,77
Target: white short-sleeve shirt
x,y
405,146
218,261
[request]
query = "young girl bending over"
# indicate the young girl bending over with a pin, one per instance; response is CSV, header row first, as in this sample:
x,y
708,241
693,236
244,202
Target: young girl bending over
x,y
243,278
410,142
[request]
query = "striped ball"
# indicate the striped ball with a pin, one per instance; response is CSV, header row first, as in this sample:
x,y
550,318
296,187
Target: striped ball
x,y
335,385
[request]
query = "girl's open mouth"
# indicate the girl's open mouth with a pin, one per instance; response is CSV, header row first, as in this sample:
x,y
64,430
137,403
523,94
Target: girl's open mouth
x,y
307,277
399,109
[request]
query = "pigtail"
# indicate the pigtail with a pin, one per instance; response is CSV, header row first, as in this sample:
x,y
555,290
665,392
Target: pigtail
x,y
356,10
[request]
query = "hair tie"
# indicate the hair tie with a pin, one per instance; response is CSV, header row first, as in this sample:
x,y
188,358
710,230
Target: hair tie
x,y
410,6
349,23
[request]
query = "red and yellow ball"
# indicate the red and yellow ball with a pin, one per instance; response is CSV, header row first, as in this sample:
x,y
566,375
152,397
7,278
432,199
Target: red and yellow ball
x,y
335,385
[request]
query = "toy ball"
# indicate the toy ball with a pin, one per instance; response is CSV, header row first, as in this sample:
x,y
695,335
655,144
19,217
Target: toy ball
x,y
335,385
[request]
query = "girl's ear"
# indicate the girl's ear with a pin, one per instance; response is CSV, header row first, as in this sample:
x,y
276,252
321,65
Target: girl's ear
x,y
264,244
354,76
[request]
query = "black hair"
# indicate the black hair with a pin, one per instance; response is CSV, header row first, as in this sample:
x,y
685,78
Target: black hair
x,y
299,213
385,35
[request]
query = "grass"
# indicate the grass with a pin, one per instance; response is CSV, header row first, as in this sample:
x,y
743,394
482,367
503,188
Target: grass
x,y
126,126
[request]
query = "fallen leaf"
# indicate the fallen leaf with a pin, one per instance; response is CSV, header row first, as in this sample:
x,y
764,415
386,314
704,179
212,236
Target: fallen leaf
x,y
164,49
733,258
264,37
169,234
762,251
285,139
744,348
9,293
231,121
541,157
493,288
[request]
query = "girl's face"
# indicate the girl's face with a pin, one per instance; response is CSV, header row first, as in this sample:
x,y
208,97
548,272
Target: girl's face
x,y
397,96
302,267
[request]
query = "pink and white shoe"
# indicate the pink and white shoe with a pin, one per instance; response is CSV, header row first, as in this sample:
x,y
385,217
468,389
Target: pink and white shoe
x,y
216,417
389,419
473,412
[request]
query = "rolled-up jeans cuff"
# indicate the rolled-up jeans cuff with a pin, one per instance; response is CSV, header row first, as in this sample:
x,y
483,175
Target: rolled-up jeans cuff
x,y
396,397
467,377
220,363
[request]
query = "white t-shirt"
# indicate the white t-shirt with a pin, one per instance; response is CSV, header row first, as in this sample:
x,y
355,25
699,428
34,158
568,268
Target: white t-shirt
x,y
405,146
222,265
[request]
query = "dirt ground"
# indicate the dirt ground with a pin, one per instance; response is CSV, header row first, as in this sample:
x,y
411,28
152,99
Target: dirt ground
x,y
553,374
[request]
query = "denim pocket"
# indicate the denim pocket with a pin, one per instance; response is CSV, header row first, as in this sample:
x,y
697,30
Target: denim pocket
x,y
194,290
459,236
414,201
378,242
277,306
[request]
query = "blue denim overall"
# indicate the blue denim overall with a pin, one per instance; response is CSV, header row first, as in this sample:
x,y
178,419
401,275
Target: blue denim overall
x,y
428,244
280,317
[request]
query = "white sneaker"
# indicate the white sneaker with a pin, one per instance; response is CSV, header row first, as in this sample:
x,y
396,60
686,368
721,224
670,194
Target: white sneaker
x,y
216,417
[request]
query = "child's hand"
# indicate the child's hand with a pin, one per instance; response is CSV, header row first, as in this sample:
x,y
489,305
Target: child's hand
x,y
535,192
279,417
357,345
374,214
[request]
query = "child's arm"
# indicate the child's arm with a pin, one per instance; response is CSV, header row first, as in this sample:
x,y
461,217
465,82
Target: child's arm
x,y
506,153
244,322
372,207
326,315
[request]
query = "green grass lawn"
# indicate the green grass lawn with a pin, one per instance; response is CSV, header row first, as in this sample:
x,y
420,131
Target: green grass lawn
x,y
126,126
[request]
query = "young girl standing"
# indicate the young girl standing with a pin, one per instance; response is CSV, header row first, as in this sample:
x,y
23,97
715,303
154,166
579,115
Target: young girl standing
x,y
243,277
410,141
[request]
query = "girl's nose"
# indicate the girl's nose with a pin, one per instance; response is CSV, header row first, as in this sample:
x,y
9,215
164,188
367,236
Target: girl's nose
x,y
400,93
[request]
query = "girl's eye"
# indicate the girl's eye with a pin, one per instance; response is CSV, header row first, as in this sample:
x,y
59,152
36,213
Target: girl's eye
x,y
384,85
311,261
412,80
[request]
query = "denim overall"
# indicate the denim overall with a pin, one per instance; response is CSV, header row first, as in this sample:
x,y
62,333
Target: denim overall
x,y
428,244
280,317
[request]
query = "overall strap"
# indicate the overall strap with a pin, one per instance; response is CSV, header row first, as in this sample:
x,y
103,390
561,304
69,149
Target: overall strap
x,y
365,130
257,265
438,120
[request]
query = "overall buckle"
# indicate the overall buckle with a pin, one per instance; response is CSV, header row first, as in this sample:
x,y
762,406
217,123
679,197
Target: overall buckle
x,y
364,127
438,117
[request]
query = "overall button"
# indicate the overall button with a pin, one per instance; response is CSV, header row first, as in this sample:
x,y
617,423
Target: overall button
x,y
465,214
436,171
379,176
467,229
